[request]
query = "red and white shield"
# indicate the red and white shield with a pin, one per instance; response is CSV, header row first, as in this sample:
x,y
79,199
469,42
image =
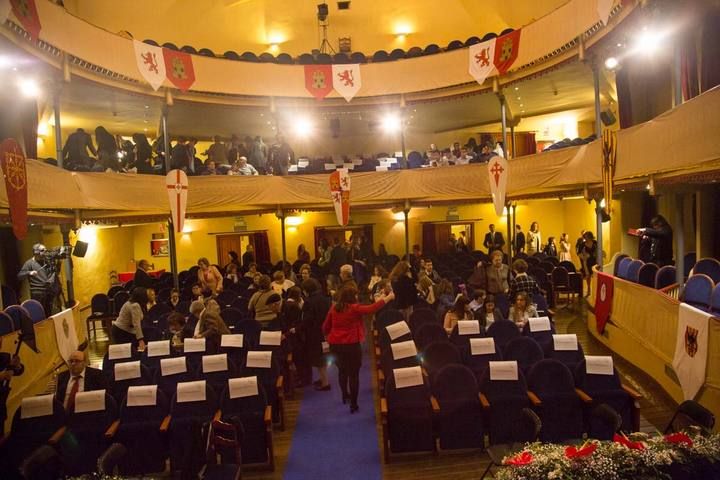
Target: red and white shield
x,y
176,183
346,80
150,63
340,194
498,170
480,60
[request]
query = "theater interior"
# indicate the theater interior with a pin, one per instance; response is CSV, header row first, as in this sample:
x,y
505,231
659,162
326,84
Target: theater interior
x,y
375,135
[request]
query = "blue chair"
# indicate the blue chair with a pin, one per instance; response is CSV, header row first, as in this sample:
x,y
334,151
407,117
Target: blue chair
x,y
6,324
387,316
429,333
646,275
421,316
622,268
462,342
17,313
571,358
698,291
715,300
504,402
87,431
27,434
168,383
460,419
502,331
119,300
559,406
665,277
525,351
633,270
439,354
407,419
541,305
543,338
567,265
709,267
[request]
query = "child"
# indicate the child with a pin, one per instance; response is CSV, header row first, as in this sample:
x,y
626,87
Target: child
x,y
551,249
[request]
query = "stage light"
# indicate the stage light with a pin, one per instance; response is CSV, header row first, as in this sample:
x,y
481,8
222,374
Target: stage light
x,y
303,127
611,63
4,62
391,123
322,11
648,42
29,87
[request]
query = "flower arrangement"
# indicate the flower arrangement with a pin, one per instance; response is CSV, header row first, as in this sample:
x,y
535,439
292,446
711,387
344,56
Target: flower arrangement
x,y
639,456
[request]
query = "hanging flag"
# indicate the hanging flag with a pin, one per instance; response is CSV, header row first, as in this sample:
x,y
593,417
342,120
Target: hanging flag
x,y
26,13
506,51
604,7
481,60
12,159
318,80
498,170
346,80
65,335
179,68
691,349
150,63
603,300
176,183
5,8
340,193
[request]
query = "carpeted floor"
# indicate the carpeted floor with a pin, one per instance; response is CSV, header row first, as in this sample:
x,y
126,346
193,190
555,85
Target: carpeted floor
x,y
328,441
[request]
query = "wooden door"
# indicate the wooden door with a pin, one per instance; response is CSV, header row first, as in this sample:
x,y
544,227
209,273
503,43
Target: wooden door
x,y
236,242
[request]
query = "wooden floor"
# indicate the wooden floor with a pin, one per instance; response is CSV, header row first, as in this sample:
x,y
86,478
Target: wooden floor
x,y
656,409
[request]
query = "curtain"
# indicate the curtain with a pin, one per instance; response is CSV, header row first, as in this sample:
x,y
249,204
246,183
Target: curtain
x,y
710,52
429,244
29,125
624,98
262,247
689,66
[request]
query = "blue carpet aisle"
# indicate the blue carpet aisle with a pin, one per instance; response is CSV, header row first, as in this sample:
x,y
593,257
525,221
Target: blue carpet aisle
x,y
328,441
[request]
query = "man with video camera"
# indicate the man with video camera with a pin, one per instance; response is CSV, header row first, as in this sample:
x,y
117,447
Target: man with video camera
x,y
40,272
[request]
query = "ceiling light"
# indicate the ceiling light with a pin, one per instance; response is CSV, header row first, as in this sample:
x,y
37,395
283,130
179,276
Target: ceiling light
x,y
303,127
522,105
4,61
611,63
147,106
518,98
648,42
517,88
29,87
144,129
391,123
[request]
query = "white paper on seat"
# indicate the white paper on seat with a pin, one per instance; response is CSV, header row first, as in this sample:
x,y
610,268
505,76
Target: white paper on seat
x,y
39,406
127,370
160,348
191,391
243,387
540,324
397,329
325,347
357,161
292,168
565,342
398,155
599,365
259,359
270,338
408,377
381,168
503,370
303,163
349,166
93,401
119,351
402,350
482,346
214,363
468,327
330,166
194,345
143,396
232,340
172,366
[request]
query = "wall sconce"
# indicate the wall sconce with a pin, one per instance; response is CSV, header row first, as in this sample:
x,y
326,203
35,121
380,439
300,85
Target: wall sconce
x,y
293,221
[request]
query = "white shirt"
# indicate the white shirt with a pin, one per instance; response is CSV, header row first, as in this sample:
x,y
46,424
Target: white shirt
x,y
81,386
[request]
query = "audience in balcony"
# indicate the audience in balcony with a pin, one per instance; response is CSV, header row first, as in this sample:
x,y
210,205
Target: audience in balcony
x,y
143,153
242,167
281,156
660,235
217,152
75,152
258,155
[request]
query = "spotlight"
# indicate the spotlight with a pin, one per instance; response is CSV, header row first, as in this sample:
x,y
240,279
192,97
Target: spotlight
x,y
322,11
611,63
391,123
303,127
4,62
29,87
648,42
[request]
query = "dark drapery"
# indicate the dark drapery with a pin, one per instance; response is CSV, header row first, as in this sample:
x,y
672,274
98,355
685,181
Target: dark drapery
x,y
624,98
29,125
429,244
688,66
710,51
262,247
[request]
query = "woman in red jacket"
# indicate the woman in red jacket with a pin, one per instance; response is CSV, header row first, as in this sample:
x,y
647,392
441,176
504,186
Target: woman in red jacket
x,y
345,330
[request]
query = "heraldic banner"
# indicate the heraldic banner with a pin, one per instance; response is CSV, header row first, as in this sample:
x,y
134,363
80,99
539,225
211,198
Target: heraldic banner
x,y
319,80
498,170
603,300
507,48
481,58
150,62
12,160
340,193
26,13
347,80
176,183
179,68
65,335
691,349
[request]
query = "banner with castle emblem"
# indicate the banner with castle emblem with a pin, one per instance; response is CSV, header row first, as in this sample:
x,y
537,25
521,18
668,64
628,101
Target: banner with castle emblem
x,y
150,63
179,68
340,193
506,51
347,80
691,349
12,160
319,80
481,58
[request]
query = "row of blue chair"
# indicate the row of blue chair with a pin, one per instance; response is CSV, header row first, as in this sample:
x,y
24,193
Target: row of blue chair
x,y
11,317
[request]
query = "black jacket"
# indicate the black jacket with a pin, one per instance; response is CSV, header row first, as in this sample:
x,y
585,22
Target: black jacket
x,y
406,293
142,279
314,311
661,249
493,242
519,242
94,380
5,364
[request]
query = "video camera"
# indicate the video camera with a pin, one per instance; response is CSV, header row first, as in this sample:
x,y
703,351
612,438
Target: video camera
x,y
58,253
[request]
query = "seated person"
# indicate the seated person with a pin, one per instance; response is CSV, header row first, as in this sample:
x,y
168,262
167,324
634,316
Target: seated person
x,y
86,378
252,271
522,310
151,298
232,273
488,313
174,298
196,292
280,284
242,167
179,329
459,311
213,328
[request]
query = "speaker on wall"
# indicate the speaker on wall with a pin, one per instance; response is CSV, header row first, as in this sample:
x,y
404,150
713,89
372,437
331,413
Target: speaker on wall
x,y
80,249
607,117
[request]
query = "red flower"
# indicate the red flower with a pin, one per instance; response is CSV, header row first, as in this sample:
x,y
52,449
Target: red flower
x,y
623,440
523,458
679,438
582,452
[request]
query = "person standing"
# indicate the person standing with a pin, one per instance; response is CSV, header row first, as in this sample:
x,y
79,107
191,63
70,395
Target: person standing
x,y
248,257
127,327
258,155
217,152
534,239
314,310
403,284
497,274
564,250
588,257
660,234
551,249
580,244
344,329
78,378
142,278
75,151
493,240
10,366
209,277
40,273
519,240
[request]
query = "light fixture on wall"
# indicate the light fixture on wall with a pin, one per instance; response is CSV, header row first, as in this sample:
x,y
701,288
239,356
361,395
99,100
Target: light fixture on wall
x,y
293,221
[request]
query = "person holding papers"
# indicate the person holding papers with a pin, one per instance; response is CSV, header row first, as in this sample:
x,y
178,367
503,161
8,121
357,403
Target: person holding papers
x,y
345,330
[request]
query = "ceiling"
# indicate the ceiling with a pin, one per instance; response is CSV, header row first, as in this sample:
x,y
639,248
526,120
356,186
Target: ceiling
x,y
254,25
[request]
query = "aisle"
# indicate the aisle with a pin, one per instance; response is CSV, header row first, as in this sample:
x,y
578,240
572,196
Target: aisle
x,y
328,441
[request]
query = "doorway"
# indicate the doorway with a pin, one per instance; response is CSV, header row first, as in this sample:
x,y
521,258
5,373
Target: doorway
x,y
442,237
236,242
343,234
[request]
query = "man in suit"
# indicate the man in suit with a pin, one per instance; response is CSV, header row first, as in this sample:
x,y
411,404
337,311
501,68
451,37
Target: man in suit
x,y
493,240
142,278
78,378
519,240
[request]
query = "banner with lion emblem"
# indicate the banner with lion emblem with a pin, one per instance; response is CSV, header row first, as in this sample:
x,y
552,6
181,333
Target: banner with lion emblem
x,y
691,349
